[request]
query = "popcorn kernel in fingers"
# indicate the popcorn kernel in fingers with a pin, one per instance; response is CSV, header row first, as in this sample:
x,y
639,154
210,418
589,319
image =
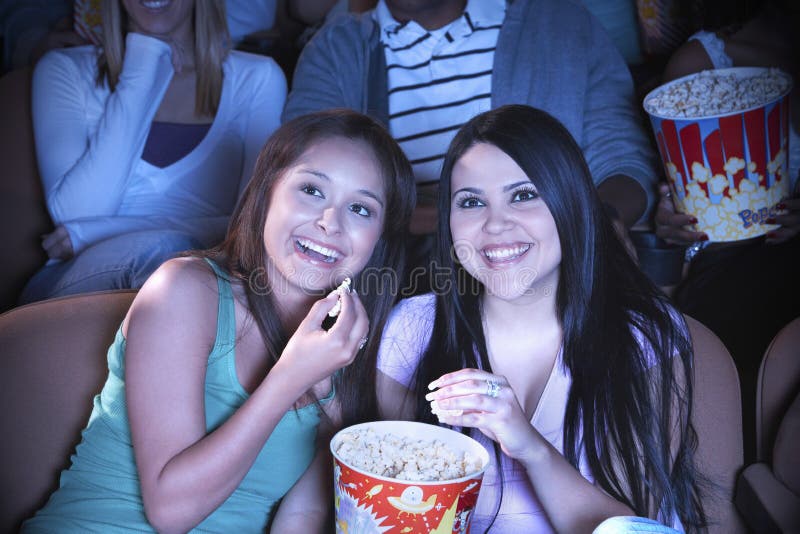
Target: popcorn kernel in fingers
x,y
439,411
337,307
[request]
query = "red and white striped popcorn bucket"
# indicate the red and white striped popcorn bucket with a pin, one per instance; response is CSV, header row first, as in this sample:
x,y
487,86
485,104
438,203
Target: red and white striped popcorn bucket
x,y
368,503
729,170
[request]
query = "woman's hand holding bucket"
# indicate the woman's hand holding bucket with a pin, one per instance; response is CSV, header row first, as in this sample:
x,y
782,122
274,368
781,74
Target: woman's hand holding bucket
x,y
789,221
671,225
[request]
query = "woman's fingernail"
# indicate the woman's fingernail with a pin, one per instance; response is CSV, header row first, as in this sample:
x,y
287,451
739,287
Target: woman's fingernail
x,y
433,385
429,396
704,238
770,220
693,220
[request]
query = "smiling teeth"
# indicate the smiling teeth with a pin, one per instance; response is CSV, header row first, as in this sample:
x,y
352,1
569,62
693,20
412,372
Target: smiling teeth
x,y
155,4
329,253
499,254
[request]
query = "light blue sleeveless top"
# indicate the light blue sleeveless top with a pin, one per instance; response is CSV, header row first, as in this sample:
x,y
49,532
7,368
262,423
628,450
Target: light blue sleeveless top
x,y
100,491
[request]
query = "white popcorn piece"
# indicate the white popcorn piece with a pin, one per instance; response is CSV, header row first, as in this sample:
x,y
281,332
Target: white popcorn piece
x,y
712,215
747,186
337,307
693,189
734,165
718,184
441,412
700,173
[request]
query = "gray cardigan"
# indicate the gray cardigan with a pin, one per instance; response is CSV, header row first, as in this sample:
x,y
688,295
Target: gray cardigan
x,y
551,54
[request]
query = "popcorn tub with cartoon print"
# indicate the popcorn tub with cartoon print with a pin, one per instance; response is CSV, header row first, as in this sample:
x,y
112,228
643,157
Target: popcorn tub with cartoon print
x,y
723,138
400,477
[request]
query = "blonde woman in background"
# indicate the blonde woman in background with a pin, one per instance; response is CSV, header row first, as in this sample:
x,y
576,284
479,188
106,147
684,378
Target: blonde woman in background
x,y
145,143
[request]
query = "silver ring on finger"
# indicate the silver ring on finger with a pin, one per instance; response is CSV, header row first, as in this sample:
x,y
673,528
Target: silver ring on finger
x,y
492,388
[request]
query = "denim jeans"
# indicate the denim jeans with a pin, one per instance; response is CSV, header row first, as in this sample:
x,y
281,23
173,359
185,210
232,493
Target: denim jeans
x,y
120,262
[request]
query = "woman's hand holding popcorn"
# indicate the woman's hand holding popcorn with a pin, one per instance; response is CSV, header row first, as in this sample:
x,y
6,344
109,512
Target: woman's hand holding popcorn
x,y
789,221
478,399
314,353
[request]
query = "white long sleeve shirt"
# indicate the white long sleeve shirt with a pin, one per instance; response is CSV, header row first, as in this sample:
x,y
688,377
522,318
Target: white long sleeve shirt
x,y
89,142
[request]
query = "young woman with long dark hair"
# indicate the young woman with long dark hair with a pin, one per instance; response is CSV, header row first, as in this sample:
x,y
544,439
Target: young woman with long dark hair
x,y
225,377
545,341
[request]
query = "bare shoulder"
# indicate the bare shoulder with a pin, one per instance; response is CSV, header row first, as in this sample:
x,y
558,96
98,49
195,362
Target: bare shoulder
x,y
182,294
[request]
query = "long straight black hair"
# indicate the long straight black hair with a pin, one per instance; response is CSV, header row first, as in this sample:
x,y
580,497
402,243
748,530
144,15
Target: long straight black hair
x,y
627,351
242,253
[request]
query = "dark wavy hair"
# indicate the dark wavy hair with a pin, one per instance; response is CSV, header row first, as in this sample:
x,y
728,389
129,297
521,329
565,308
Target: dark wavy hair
x,y
625,347
242,253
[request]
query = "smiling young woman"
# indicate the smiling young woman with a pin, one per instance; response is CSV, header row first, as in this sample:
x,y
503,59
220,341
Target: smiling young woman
x,y
546,343
326,214
221,390
504,233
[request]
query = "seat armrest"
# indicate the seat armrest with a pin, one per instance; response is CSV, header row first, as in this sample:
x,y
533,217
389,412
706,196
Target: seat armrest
x,y
766,504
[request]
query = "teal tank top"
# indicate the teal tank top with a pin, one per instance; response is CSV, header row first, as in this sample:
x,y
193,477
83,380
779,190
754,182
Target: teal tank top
x,y
100,491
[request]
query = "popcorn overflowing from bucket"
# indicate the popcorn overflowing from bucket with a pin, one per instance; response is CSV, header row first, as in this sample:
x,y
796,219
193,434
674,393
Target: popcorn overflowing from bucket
x,y
726,160
404,458
716,92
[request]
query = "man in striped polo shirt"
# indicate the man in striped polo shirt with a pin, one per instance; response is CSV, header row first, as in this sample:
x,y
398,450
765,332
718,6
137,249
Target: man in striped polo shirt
x,y
437,80
425,67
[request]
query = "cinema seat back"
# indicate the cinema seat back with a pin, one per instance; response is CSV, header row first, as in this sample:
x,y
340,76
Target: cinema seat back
x,y
717,419
52,363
